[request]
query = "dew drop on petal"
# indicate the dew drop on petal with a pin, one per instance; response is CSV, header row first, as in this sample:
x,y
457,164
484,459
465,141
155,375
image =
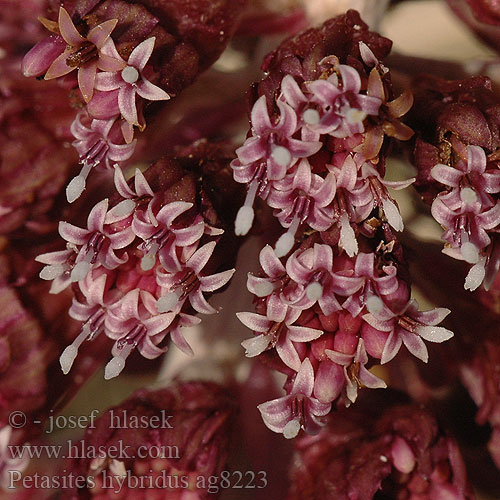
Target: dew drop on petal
x,y
311,116
130,74
314,291
281,156
244,220
75,188
67,358
291,429
470,252
114,367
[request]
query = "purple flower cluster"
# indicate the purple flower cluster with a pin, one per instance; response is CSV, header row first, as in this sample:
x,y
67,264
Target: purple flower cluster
x,y
341,299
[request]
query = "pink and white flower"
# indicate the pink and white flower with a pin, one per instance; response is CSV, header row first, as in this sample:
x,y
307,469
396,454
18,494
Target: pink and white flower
x,y
131,81
190,284
84,53
411,327
134,322
297,410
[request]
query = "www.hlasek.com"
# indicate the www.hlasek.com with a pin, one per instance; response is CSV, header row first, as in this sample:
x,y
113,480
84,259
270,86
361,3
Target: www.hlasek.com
x,y
157,480
81,450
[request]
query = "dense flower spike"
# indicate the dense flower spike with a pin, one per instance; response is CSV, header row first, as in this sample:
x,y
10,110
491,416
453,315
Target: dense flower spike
x,y
459,174
143,264
333,103
341,301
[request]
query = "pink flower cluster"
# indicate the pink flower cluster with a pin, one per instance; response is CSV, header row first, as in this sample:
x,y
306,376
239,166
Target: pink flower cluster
x,y
139,272
109,86
328,317
340,302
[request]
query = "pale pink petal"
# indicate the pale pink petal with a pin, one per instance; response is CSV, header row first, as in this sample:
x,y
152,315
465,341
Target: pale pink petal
x,y
126,103
151,92
261,123
369,380
107,81
303,334
414,344
97,216
86,80
391,347
276,413
59,67
291,91
104,105
215,281
304,380
171,211
179,340
109,64
199,303
158,323
73,234
68,30
200,258
255,322
100,33
288,354
271,265
141,54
